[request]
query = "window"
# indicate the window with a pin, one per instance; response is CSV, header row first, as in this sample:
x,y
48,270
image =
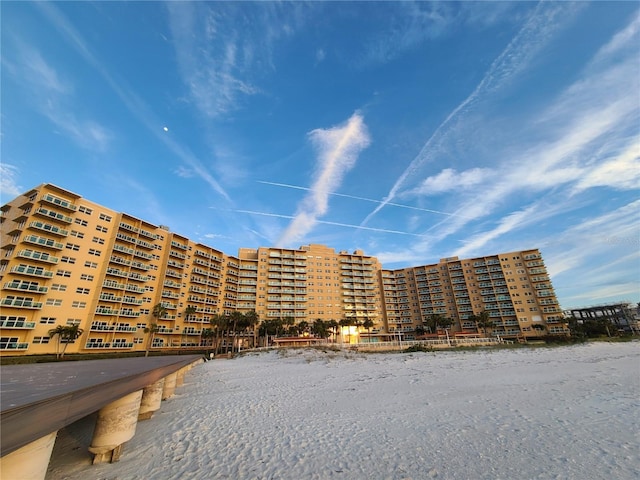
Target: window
x,y
85,276
72,246
105,217
59,287
37,340
5,342
98,240
77,234
85,210
63,273
53,302
65,259
73,321
102,229
83,291
48,320
77,304
79,221
90,264
94,252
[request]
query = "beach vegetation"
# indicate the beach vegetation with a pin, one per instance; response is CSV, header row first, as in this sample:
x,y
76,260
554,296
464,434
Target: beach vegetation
x,y
66,334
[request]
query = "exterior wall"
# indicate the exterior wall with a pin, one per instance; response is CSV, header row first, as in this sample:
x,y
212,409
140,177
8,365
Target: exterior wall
x,y
67,260
514,288
621,315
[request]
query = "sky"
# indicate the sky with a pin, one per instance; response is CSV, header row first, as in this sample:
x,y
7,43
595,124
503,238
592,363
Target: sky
x,y
411,130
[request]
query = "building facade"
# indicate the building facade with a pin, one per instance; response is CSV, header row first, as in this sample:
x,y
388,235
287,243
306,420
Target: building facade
x,y
68,261
622,315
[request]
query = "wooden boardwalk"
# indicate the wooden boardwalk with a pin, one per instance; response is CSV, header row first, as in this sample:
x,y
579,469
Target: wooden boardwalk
x,y
38,399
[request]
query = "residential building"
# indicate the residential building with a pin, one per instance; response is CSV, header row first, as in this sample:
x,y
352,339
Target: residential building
x,y
66,260
513,288
622,315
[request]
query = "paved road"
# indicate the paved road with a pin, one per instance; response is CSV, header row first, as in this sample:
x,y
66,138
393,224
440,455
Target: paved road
x,y
38,399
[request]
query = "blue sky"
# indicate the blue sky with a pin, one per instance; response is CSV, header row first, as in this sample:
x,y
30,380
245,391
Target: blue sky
x,y
413,131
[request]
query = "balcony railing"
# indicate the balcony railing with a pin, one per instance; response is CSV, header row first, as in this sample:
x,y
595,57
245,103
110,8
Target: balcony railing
x,y
17,324
21,302
14,345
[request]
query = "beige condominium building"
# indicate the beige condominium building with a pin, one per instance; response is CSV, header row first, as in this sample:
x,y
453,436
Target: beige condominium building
x,y
66,260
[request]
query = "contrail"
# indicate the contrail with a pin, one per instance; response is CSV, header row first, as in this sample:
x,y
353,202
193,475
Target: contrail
x,y
336,224
296,187
507,64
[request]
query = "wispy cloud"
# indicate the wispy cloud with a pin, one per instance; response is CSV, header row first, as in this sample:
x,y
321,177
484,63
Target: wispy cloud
x,y
338,149
327,222
130,99
223,49
535,33
53,97
448,180
409,24
586,138
9,187
355,197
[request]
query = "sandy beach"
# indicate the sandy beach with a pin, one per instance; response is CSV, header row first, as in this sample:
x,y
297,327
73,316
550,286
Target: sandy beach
x,y
535,413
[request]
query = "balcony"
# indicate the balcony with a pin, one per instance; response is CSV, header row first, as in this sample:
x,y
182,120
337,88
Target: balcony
x,y
43,242
143,244
32,271
112,284
93,343
23,286
59,202
119,260
46,227
137,277
131,300
116,272
126,328
109,297
37,256
178,245
125,238
15,323
101,327
13,345
123,249
134,288
150,235
53,215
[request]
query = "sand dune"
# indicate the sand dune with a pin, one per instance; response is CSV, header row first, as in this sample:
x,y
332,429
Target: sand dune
x,y
544,413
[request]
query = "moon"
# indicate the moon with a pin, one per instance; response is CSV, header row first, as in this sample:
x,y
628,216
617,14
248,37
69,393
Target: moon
x,y
166,129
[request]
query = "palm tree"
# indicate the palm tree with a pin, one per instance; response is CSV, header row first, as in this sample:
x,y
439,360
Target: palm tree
x,y
66,334
159,311
234,318
320,328
207,335
253,320
151,330
303,327
59,331
483,321
538,327
368,324
190,310
433,321
219,323
333,326
289,323
347,322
